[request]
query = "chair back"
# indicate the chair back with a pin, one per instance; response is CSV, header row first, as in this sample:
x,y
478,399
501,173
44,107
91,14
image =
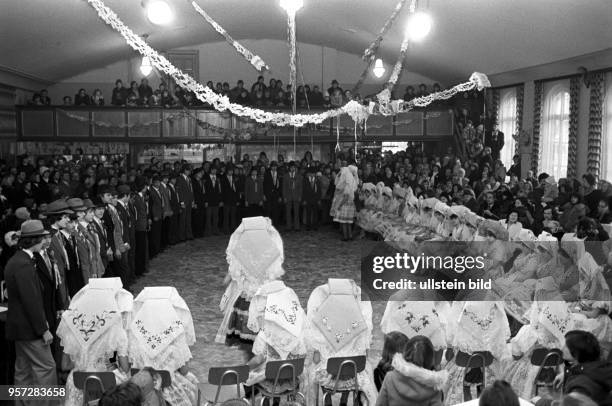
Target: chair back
x,y
546,357
166,378
284,369
222,376
346,367
93,384
478,359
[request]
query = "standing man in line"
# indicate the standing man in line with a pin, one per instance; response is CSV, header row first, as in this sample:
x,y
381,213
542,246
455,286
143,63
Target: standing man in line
x,y
292,196
273,192
156,213
26,322
141,226
184,189
164,188
213,199
231,199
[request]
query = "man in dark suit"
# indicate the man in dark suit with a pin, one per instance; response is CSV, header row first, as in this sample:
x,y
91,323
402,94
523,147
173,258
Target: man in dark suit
x,y
311,200
213,199
169,213
495,140
58,217
198,212
292,197
176,209
184,189
106,252
117,237
141,226
26,321
273,190
156,213
231,199
123,212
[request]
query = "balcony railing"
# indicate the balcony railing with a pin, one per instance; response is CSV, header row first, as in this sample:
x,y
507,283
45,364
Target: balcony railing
x,y
70,123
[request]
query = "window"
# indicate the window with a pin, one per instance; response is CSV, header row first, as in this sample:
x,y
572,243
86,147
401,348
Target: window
x,y
606,142
554,138
506,117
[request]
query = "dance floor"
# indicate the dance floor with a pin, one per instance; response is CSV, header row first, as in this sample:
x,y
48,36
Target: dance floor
x,y
197,268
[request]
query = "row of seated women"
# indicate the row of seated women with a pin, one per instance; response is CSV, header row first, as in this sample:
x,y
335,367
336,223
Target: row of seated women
x,y
154,330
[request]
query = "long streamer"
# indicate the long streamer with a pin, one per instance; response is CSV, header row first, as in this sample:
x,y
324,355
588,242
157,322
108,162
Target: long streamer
x,y
254,60
222,103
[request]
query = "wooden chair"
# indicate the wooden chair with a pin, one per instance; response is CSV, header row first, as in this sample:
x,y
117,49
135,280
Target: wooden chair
x,y
344,368
478,359
93,384
546,358
225,376
283,370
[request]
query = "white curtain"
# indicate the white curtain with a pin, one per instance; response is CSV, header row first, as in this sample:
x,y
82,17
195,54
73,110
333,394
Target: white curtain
x,y
555,131
506,117
606,142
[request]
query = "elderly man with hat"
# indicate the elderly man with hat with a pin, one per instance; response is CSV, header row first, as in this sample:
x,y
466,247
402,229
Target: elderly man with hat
x,y
88,246
117,234
58,216
26,322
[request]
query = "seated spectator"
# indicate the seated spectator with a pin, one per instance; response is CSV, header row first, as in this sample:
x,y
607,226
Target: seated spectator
x,y
334,86
166,99
603,212
226,90
125,394
219,88
413,379
179,96
44,97
279,99
147,379
67,101
82,98
394,343
145,91
591,194
36,100
336,99
500,393
515,169
576,399
423,90
243,98
409,94
316,97
155,100
97,99
237,91
259,85
119,97
133,92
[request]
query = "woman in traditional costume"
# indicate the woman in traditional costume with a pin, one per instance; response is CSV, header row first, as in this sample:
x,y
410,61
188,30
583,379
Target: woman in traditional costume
x,y
548,323
370,201
94,329
481,326
343,203
277,316
255,256
160,335
442,213
338,324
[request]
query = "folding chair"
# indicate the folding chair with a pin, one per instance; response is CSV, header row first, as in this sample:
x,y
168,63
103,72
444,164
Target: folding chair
x,y
478,359
344,368
93,384
224,376
546,359
276,371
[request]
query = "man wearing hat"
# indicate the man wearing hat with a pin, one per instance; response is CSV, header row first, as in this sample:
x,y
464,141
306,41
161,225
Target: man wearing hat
x,y
142,226
26,322
117,237
87,244
58,215
311,200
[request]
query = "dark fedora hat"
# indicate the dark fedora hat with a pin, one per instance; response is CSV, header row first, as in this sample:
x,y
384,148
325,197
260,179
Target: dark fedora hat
x,y
59,206
76,204
88,203
32,228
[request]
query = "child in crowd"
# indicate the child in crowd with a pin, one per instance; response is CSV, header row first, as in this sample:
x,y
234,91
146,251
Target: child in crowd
x,y
395,342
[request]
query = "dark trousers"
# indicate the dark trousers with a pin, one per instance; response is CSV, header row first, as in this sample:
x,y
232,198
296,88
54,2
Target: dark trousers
x,y
253,210
34,365
184,225
132,255
155,237
165,232
293,214
141,253
173,229
197,221
121,269
311,215
273,210
230,222
212,220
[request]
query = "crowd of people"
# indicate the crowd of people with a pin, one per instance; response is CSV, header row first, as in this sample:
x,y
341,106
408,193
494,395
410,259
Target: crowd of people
x,y
273,94
69,221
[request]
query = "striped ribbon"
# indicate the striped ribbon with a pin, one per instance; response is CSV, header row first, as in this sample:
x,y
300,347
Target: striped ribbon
x,y
572,148
520,100
536,154
595,123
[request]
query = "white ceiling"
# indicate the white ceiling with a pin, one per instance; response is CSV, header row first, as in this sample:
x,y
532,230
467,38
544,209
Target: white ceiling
x,y
56,39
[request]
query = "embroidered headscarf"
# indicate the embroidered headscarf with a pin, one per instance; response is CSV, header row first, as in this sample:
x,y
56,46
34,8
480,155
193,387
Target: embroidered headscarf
x,y
483,326
554,317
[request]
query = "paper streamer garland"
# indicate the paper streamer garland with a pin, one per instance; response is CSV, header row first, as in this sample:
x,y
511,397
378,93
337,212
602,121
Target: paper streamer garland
x,y
222,103
254,60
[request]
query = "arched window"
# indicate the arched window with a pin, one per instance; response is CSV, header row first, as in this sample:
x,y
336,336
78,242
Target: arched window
x,y
506,118
606,142
555,131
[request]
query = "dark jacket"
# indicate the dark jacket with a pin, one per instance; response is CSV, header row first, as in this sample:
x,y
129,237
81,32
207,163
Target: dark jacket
x,y
156,202
52,300
311,193
272,190
214,193
231,195
26,319
410,385
593,379
142,215
184,189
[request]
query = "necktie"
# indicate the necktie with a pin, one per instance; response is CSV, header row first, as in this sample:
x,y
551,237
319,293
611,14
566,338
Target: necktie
x,y
44,256
255,186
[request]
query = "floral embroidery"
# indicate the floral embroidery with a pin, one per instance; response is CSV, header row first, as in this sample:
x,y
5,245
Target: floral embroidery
x,y
290,317
421,323
89,324
154,340
484,323
560,323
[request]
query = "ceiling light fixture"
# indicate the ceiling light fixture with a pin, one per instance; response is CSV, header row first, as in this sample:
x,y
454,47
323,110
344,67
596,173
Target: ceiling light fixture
x,y
291,6
145,66
159,12
419,25
379,68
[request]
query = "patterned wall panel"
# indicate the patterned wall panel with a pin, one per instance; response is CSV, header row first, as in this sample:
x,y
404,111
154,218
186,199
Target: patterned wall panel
x,y
572,149
537,119
595,122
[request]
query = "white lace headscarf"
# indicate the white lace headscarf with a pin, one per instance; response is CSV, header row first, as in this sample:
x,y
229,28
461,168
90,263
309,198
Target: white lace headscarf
x,y
347,182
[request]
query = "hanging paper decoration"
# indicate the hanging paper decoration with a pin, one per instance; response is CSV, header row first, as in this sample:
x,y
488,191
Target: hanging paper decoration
x,y
292,56
254,60
222,103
